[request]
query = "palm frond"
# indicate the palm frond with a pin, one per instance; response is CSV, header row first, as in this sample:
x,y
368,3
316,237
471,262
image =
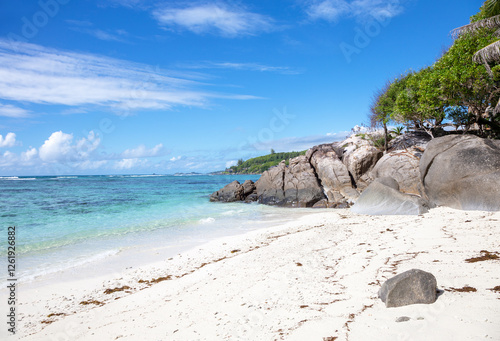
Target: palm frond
x,y
488,54
492,7
493,22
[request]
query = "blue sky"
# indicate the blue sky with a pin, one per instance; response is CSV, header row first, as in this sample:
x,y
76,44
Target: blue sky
x,y
138,86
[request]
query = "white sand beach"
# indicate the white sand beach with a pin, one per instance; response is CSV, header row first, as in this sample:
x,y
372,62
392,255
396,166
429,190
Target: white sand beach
x,y
315,278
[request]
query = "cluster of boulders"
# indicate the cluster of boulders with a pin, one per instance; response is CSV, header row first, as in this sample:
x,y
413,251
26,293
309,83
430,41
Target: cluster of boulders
x,y
329,175
416,173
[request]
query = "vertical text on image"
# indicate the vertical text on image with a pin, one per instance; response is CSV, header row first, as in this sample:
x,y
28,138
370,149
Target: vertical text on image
x,y
11,279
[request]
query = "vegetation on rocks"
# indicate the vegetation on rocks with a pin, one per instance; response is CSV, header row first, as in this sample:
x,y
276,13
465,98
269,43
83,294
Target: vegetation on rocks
x,y
260,164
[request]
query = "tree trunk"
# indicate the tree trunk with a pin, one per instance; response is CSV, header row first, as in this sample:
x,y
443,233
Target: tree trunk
x,y
386,137
492,124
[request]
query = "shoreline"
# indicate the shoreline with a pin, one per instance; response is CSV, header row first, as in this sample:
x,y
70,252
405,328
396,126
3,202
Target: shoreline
x,y
315,277
116,253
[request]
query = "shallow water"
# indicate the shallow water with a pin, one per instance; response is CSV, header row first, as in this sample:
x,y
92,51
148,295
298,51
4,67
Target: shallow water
x,y
74,221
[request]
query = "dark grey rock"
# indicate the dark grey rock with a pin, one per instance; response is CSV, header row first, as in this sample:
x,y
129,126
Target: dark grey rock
x,y
382,197
270,185
229,193
410,287
301,186
324,203
462,172
408,140
292,186
248,187
403,319
252,197
235,192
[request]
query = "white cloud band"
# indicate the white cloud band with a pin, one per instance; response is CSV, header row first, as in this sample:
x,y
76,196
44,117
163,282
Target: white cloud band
x,y
214,18
36,74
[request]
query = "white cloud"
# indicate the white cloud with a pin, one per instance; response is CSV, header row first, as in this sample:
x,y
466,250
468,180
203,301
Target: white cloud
x,y
141,151
289,144
36,74
130,163
229,21
89,164
87,28
75,110
59,147
245,67
332,10
27,158
176,158
8,141
8,159
128,3
377,8
62,153
104,35
29,155
8,110
231,163
329,10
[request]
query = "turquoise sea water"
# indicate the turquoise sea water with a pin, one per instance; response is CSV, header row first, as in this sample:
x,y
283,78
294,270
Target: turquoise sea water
x,y
63,222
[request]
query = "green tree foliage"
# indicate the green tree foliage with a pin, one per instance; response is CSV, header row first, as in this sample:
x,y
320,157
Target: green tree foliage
x,y
382,108
260,164
489,9
397,130
454,88
463,82
418,100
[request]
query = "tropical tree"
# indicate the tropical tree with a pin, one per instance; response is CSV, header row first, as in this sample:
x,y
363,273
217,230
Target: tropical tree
x,y
413,99
467,84
420,102
463,85
491,7
382,108
488,17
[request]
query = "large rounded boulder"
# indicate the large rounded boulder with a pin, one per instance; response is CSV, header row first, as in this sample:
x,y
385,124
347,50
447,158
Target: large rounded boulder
x,y
462,172
403,166
382,197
